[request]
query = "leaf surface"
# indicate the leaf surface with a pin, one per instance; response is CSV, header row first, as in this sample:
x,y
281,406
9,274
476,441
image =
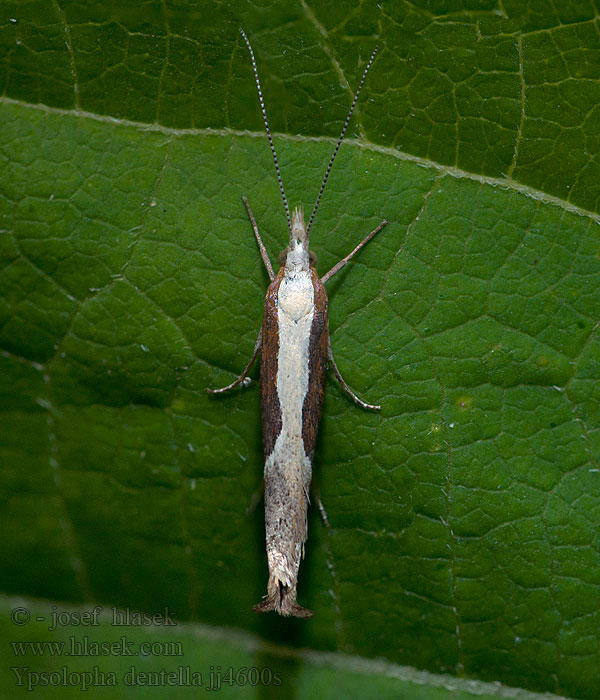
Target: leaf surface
x,y
463,517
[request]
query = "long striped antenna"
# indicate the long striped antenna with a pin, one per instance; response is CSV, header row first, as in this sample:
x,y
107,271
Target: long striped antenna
x,y
264,113
339,143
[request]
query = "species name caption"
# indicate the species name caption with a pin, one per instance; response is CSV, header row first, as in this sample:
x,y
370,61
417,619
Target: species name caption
x,y
155,661
294,346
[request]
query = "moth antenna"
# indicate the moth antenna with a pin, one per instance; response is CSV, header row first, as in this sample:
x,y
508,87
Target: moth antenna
x,y
339,143
264,113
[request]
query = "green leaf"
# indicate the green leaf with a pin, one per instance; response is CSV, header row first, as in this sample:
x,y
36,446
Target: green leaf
x,y
463,532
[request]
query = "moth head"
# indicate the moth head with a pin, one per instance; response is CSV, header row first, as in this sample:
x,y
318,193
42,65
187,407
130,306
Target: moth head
x,y
297,255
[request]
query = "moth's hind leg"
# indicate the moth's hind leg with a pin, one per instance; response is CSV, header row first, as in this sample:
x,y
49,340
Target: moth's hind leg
x,y
322,510
244,374
256,498
344,386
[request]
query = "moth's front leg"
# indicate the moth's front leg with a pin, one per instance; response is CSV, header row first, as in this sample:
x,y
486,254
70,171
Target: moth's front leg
x,y
342,263
244,374
261,246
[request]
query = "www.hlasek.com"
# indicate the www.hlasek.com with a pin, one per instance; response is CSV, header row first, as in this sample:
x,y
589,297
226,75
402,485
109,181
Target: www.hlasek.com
x,y
215,679
84,646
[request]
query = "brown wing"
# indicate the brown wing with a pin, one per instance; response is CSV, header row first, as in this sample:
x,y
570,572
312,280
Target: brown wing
x,y
271,410
317,364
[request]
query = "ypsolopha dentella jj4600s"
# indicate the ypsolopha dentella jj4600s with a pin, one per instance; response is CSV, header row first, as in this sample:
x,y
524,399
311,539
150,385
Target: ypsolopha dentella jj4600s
x,y
294,346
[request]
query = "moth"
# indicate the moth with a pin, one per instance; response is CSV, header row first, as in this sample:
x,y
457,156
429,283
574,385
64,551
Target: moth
x,y
294,346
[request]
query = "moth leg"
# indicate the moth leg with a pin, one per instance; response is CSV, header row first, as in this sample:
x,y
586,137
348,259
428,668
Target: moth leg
x,y
263,251
343,261
256,498
322,511
244,374
343,384
314,489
